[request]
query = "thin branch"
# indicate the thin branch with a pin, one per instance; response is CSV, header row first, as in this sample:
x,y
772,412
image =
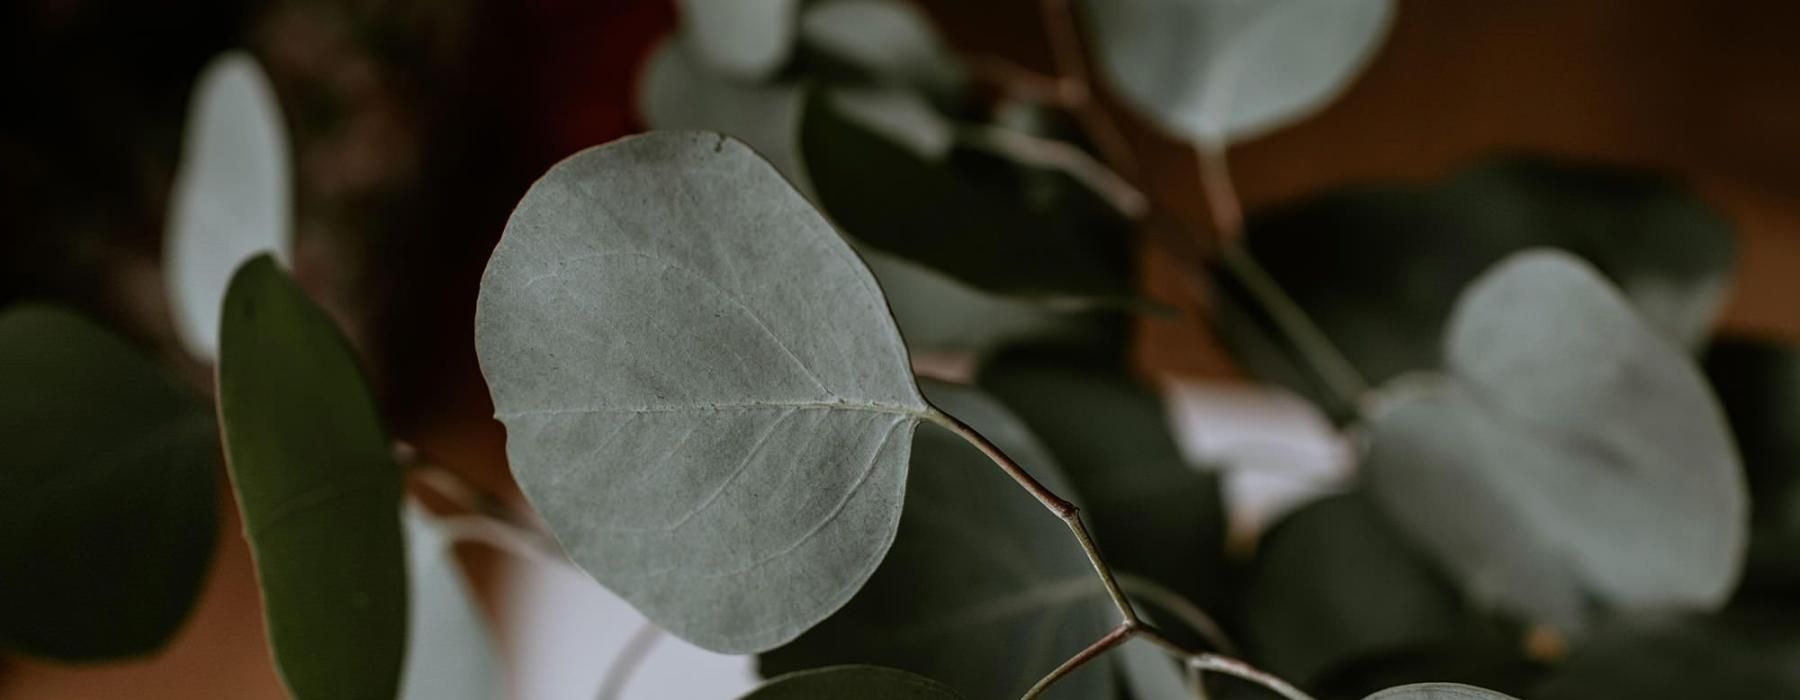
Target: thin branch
x,y
525,544
619,672
1063,509
1183,609
1071,63
1127,614
1118,635
1203,661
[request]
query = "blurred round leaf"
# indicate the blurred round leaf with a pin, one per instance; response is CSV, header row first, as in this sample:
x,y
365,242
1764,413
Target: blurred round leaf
x,y
1759,385
678,92
885,41
107,497
1573,456
1217,71
318,488
703,392
984,589
232,197
746,39
864,682
1748,654
1377,268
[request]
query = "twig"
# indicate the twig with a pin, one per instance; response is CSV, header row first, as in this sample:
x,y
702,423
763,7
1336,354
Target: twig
x,y
504,536
1071,63
1118,635
619,672
1183,609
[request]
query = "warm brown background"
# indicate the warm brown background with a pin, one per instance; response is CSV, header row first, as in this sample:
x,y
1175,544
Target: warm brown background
x,y
1709,90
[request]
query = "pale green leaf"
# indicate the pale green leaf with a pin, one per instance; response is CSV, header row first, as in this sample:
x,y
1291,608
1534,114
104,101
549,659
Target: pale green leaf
x,y
107,496
1219,71
704,394
679,92
1573,456
1150,673
861,682
746,39
1438,691
232,197
984,589
448,652
318,488
883,41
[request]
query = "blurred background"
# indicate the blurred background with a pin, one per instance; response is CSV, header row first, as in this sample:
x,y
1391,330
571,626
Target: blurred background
x,y
417,125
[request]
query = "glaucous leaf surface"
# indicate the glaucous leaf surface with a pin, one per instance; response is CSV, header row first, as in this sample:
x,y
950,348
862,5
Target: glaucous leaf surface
x,y
746,39
863,682
678,91
1572,456
984,589
938,314
318,488
1377,268
1759,384
448,652
232,197
883,41
1218,71
703,392
1438,691
107,496
1150,673
979,217
1157,517
1333,585
1738,654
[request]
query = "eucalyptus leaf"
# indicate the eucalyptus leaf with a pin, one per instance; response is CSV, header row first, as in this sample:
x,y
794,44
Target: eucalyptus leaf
x,y
1218,71
939,314
865,682
981,218
318,488
1438,691
448,653
1747,654
747,39
107,497
984,589
1759,385
1377,267
703,392
1334,585
1150,673
232,197
1572,457
883,41
1157,517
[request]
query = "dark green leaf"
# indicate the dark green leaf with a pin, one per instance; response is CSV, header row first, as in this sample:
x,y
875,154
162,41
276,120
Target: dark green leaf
x,y
1759,385
703,392
1378,267
861,682
1334,585
1572,457
1156,516
107,497
1749,654
984,589
980,217
318,488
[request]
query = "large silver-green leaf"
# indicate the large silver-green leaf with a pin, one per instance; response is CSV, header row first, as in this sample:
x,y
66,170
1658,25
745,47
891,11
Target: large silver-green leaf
x,y
448,653
704,394
318,487
1378,267
232,197
1572,457
742,38
1438,691
862,682
1219,71
107,495
984,589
